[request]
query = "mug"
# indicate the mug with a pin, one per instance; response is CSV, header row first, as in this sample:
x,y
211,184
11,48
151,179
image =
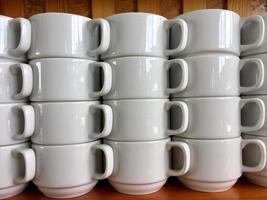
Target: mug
x,y
250,76
216,165
67,35
15,38
140,77
144,119
140,34
69,79
250,115
212,30
143,167
16,81
251,157
217,117
69,171
253,34
60,123
16,122
212,75
17,169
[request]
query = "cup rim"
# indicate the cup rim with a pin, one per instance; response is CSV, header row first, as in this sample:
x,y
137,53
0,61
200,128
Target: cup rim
x,y
12,146
58,14
135,13
210,10
63,146
167,139
179,138
61,59
91,102
137,100
205,98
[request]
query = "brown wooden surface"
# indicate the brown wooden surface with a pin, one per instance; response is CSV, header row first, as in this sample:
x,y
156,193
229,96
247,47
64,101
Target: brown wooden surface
x,y
104,8
173,190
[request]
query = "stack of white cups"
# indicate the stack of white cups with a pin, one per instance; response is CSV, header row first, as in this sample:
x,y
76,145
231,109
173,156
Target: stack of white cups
x,y
16,117
250,76
139,101
65,97
212,67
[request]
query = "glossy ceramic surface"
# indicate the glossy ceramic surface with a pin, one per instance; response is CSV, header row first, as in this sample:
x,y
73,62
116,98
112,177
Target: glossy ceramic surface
x,y
213,75
136,34
223,35
217,118
250,75
15,38
70,170
16,81
140,120
68,79
137,77
63,35
251,157
134,165
70,122
215,165
17,169
17,123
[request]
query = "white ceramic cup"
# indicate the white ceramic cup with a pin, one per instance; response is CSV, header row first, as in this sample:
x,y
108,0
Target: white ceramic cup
x,y
67,35
16,123
250,75
253,34
69,79
212,30
140,34
17,169
16,81
140,77
250,115
216,118
251,158
211,75
69,171
143,167
216,165
60,123
15,38
144,119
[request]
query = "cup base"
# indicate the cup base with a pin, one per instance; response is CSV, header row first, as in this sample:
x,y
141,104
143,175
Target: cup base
x,y
207,186
138,189
258,180
62,193
12,191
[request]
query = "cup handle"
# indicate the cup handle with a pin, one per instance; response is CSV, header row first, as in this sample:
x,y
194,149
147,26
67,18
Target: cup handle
x,y
262,151
259,19
27,79
184,80
260,123
29,162
185,113
104,33
25,37
108,115
184,35
29,122
109,160
107,82
186,155
260,80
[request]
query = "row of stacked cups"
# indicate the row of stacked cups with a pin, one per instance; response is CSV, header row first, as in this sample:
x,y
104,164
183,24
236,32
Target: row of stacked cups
x,y
66,121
